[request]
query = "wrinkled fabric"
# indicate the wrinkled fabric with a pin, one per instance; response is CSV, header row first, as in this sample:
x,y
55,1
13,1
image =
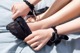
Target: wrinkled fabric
x,y
10,44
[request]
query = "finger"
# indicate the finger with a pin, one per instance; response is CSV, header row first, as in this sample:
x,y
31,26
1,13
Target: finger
x,y
35,44
12,8
29,37
14,11
33,40
33,20
29,19
43,43
15,15
38,47
24,15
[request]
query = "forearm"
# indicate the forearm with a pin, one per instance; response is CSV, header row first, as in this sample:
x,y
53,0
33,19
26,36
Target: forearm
x,y
56,6
70,11
34,2
69,27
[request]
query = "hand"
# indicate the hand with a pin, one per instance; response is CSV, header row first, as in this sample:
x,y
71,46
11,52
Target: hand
x,y
39,38
33,19
20,9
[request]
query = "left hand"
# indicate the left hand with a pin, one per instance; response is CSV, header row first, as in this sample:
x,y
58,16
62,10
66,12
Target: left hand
x,y
20,9
33,19
39,38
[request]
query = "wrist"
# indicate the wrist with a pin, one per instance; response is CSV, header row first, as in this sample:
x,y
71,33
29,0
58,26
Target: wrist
x,y
55,37
31,6
50,31
26,6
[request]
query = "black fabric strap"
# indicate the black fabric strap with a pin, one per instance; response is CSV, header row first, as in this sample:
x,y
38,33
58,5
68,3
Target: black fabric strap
x,y
54,28
31,6
56,38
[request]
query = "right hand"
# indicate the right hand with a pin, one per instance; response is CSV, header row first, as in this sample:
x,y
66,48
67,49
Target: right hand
x,y
20,9
33,19
39,38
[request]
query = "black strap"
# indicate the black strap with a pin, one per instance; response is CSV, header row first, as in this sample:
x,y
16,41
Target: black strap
x,y
31,6
56,38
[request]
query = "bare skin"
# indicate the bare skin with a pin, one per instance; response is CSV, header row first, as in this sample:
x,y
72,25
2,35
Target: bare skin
x,y
40,37
21,9
56,6
70,11
62,29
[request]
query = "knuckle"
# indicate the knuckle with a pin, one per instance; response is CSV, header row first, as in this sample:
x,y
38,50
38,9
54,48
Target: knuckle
x,y
28,42
34,33
37,49
25,40
38,37
32,46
